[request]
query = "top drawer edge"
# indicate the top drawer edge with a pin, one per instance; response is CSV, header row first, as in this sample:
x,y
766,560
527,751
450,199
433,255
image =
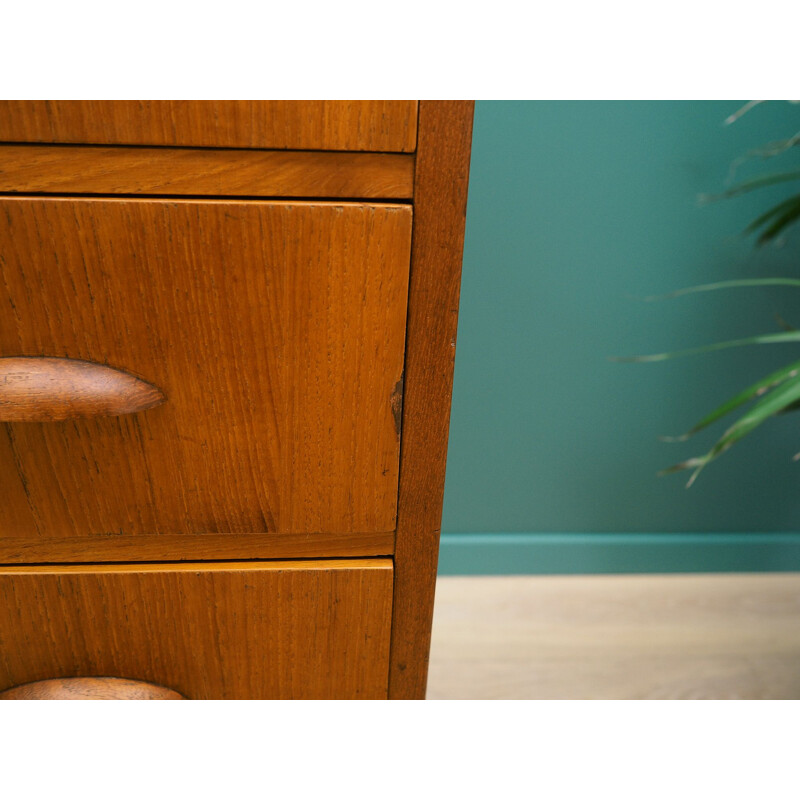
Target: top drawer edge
x,y
380,126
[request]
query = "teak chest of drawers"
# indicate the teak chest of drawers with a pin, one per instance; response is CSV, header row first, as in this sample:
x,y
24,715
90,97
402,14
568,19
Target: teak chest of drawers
x,y
227,334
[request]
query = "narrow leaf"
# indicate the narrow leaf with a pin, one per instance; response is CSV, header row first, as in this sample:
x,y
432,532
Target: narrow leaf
x,y
688,464
757,389
769,338
742,111
734,284
792,407
773,212
767,407
783,221
752,184
770,150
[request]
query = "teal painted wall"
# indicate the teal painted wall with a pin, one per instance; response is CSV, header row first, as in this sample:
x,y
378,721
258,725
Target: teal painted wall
x,y
575,209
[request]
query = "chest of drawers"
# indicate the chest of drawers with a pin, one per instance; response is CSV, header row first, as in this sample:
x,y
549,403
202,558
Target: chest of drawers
x,y
227,333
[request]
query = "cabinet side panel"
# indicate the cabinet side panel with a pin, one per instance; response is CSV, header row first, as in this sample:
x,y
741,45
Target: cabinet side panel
x,y
440,201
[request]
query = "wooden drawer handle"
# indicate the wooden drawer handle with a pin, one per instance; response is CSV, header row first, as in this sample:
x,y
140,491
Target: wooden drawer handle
x,y
90,689
42,389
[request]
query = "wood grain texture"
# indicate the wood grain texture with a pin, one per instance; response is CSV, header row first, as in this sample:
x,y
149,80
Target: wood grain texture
x,y
201,547
276,330
279,630
89,689
256,173
377,125
616,637
54,389
440,199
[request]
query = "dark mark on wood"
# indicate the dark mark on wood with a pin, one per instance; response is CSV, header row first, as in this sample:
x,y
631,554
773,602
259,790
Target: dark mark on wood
x,y
397,405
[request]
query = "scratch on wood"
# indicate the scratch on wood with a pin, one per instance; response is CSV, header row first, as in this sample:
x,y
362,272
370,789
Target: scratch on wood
x,y
397,405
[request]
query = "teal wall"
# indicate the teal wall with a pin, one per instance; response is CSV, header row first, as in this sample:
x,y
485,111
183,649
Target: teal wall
x,y
575,210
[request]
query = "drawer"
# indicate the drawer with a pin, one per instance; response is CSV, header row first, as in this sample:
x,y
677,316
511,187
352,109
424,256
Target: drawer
x,y
365,125
275,332
279,630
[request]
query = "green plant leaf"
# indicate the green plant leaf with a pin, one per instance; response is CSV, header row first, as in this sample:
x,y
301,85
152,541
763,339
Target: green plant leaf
x,y
752,184
790,215
768,338
793,407
743,110
779,392
770,150
770,405
757,389
690,463
733,284
773,212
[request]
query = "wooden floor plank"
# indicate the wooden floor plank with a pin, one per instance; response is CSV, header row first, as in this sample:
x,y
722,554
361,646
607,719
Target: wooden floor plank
x,y
716,636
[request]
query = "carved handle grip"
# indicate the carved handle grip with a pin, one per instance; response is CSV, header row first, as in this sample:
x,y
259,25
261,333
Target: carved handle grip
x,y
41,389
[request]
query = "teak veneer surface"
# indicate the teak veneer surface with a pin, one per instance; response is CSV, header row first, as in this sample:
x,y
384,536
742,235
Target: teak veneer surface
x,y
256,173
377,125
280,630
276,332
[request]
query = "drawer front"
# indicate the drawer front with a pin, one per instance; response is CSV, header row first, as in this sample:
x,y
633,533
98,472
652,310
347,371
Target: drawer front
x,y
280,630
371,125
275,332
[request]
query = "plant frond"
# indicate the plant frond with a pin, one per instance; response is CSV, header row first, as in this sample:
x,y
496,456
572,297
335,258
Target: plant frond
x,y
769,338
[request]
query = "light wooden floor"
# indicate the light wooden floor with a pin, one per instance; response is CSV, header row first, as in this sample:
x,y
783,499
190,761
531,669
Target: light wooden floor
x,y
617,637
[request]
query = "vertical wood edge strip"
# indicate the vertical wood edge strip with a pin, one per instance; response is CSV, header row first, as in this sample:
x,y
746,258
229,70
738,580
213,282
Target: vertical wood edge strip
x,y
414,133
440,200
